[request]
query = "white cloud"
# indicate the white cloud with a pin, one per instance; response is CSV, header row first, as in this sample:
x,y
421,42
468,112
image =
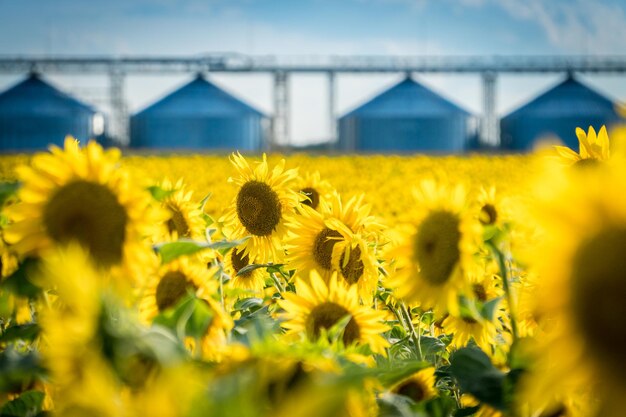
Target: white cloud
x,y
574,26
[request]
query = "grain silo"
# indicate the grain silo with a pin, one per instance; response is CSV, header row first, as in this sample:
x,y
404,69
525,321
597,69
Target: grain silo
x,y
34,114
198,115
556,114
408,117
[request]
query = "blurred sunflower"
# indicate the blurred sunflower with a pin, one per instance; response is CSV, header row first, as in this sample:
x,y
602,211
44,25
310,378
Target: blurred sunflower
x,y
436,252
582,286
83,382
492,208
234,261
184,216
81,195
466,328
593,148
170,394
171,283
319,307
419,387
263,203
314,191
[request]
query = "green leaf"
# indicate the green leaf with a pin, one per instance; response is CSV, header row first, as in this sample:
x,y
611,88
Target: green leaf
x,y
476,375
172,250
251,303
489,232
7,190
25,332
20,283
158,193
18,369
465,412
200,319
204,201
191,316
392,405
271,267
431,346
335,333
489,308
255,327
26,405
399,370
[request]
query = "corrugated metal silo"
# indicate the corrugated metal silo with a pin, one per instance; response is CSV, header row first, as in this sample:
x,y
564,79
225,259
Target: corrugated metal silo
x,y
34,114
408,117
199,115
557,112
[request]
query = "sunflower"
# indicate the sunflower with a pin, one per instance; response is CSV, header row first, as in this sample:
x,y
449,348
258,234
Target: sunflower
x,y
468,401
313,236
71,348
82,195
319,306
356,264
314,191
419,387
263,203
436,252
184,215
582,284
253,281
492,208
466,328
593,148
170,283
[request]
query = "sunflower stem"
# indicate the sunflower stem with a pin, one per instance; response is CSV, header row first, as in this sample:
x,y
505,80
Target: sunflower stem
x,y
279,286
504,271
414,334
222,288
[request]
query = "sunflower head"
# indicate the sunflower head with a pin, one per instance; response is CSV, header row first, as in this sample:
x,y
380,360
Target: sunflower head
x,y
263,203
315,309
436,252
493,209
170,283
81,195
594,148
314,192
418,387
314,238
183,216
580,285
356,264
235,261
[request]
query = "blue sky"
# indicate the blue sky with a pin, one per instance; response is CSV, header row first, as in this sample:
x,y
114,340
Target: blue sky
x,y
432,27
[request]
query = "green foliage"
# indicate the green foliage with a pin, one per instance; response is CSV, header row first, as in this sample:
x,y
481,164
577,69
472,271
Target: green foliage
x,y
21,282
28,404
270,268
25,332
190,317
7,191
172,250
490,308
19,370
476,375
158,193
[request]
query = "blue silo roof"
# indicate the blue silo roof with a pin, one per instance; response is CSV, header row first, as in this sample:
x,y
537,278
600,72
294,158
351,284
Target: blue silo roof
x,y
199,98
407,99
35,96
568,98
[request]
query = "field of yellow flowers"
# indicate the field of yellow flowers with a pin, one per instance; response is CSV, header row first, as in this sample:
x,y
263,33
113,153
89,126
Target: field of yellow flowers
x,y
230,285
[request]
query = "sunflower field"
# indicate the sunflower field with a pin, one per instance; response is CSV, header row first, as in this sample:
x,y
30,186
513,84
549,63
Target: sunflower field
x,y
253,286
